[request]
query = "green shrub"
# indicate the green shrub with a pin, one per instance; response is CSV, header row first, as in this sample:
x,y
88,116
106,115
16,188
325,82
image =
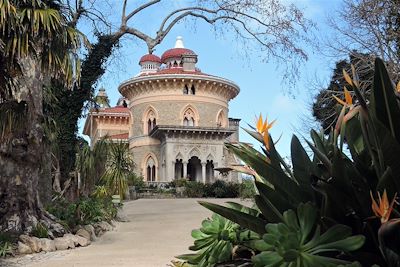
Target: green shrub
x,y
5,248
247,189
178,182
83,211
135,180
40,231
194,189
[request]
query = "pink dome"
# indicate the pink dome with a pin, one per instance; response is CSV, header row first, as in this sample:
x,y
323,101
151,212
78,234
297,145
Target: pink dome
x,y
175,52
150,57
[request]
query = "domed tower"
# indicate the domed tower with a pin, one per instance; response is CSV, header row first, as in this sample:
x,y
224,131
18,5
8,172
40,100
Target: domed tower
x,y
179,118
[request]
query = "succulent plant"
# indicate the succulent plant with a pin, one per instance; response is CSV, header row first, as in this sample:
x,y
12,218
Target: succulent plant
x,y
216,239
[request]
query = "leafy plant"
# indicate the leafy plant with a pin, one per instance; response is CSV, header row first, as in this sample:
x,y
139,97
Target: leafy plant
x,y
5,249
247,189
216,239
338,183
298,241
135,180
101,191
119,167
40,231
194,189
83,211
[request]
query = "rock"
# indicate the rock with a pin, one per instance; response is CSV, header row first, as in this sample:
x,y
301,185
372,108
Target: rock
x,y
31,241
121,217
98,230
82,241
63,243
83,233
105,226
23,248
78,240
92,232
47,245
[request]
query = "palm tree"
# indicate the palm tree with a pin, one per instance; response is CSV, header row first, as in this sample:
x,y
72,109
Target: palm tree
x,y
119,167
36,45
90,164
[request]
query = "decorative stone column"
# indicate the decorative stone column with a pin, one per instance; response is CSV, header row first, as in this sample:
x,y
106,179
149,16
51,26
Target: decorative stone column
x,y
184,169
203,171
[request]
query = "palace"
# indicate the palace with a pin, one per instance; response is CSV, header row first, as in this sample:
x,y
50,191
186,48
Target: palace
x,y
174,117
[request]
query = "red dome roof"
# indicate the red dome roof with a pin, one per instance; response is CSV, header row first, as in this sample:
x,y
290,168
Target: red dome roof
x,y
176,52
150,57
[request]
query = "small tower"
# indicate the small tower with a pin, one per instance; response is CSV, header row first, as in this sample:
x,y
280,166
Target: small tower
x,y
102,98
149,64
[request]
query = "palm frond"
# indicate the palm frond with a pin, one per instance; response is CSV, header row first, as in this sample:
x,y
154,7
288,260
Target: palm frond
x,y
12,119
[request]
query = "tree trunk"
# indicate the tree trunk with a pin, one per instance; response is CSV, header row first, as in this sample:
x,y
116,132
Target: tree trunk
x,y
21,159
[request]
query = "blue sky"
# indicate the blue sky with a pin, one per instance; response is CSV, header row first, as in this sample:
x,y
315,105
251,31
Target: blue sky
x,y
261,84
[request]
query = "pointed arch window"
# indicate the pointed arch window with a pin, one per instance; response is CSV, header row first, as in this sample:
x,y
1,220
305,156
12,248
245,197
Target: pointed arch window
x,y
221,120
150,121
188,118
150,170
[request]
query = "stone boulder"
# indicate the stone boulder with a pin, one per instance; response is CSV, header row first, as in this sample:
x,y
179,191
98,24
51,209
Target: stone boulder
x,y
78,240
47,245
63,243
82,241
83,233
91,230
31,241
23,248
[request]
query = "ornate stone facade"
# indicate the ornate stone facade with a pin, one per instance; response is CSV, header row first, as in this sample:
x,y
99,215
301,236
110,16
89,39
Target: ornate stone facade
x,y
179,118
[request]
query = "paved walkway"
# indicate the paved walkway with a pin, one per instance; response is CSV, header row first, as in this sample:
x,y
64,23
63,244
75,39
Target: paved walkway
x,y
158,230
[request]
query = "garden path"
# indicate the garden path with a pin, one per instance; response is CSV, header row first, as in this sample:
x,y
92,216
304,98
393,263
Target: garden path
x,y
158,230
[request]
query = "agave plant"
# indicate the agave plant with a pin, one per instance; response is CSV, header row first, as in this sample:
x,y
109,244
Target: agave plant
x,y
217,239
337,182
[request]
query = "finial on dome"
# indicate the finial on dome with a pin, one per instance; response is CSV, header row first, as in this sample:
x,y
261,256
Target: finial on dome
x,y
179,42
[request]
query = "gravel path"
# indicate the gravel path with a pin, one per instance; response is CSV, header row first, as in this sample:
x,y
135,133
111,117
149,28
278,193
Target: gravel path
x,y
158,230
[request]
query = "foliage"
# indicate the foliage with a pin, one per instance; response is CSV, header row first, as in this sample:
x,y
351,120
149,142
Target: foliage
x,y
324,107
40,231
218,189
136,180
247,189
5,249
221,189
216,239
337,183
101,191
194,189
6,241
297,241
179,182
90,163
83,211
70,104
119,166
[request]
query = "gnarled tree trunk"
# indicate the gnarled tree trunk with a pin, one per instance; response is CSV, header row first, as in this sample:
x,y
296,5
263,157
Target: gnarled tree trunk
x,y
21,159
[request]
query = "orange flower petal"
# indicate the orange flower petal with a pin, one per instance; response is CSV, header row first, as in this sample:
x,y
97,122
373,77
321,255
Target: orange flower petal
x,y
347,96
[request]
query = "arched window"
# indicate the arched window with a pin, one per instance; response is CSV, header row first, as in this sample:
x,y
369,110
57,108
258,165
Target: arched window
x,y
185,90
150,121
192,90
188,118
221,120
150,170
